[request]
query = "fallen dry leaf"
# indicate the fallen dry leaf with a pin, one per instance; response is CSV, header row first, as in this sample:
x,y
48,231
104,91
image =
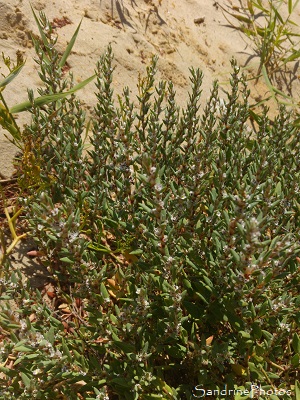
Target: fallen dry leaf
x,y
35,253
64,307
209,340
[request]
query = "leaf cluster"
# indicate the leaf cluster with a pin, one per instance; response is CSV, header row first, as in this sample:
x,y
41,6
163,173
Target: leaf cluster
x,y
171,241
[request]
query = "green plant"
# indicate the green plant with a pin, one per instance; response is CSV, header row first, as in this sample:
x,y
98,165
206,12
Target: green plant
x,y
172,246
8,121
269,25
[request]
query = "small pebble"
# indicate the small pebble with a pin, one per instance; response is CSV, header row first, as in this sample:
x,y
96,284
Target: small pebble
x,y
199,20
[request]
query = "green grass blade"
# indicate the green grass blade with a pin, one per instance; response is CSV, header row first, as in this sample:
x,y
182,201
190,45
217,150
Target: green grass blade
x,y
297,390
292,57
8,123
277,15
272,89
292,7
297,122
240,17
295,24
69,47
250,8
258,5
40,101
12,75
43,36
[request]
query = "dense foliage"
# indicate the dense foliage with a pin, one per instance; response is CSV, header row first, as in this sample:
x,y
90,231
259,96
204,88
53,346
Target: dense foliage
x,y
170,237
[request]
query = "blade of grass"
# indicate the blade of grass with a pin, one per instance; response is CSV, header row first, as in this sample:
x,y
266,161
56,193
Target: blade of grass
x,y
40,101
8,122
297,122
43,36
277,14
12,75
272,89
260,6
69,47
297,390
292,57
250,7
292,7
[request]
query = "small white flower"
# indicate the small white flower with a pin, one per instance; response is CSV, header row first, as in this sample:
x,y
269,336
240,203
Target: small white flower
x,y
72,236
58,354
158,187
37,371
285,327
157,231
23,324
146,303
54,211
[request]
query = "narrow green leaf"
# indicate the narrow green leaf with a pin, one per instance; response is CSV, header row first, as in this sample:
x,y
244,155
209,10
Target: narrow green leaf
x,y
55,322
235,256
6,371
67,260
297,390
146,208
256,372
104,291
127,348
22,349
139,251
271,375
69,47
25,379
43,36
296,343
240,18
99,247
295,5
13,326
272,89
295,55
295,360
278,189
267,335
12,75
277,14
40,101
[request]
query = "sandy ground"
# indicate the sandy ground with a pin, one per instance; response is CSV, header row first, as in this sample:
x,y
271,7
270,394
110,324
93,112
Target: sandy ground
x,y
183,33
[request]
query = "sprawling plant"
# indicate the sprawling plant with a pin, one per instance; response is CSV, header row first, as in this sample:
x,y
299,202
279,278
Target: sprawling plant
x,y
171,244
275,41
